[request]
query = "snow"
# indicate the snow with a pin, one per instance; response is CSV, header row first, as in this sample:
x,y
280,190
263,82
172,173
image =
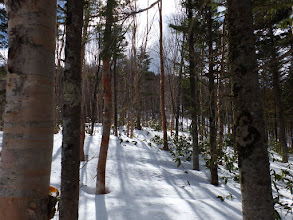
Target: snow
x,y
144,183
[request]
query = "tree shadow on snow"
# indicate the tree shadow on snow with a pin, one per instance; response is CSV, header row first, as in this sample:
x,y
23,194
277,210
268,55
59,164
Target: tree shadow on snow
x,y
101,210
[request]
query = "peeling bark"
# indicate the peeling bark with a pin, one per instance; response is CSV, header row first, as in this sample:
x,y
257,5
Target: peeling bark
x,y
106,71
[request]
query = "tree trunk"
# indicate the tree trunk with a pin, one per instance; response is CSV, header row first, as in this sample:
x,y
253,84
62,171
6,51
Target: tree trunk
x,y
193,90
71,112
276,126
291,135
219,92
257,201
162,82
136,77
58,81
94,101
179,96
83,112
201,120
278,100
115,97
29,114
212,106
106,78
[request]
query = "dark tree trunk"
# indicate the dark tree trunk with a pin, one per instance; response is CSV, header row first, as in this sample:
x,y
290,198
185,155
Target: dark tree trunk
x,y
193,90
179,96
83,113
94,101
220,91
115,97
291,135
71,112
212,106
106,78
162,83
278,100
136,79
276,126
257,201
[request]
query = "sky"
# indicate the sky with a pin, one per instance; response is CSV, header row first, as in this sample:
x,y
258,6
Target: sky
x,y
169,8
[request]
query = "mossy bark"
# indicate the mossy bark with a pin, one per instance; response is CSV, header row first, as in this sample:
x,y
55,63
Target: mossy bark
x,y
71,112
257,201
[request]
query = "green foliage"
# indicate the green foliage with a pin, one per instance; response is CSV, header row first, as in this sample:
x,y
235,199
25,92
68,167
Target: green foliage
x,y
227,158
222,198
282,180
230,161
157,140
181,149
274,146
154,124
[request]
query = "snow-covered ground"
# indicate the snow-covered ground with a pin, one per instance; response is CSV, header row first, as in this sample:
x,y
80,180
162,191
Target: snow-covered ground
x,y
145,184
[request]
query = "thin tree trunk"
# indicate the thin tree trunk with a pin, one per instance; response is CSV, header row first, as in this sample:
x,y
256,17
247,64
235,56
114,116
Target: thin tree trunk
x,y
162,82
115,97
255,180
278,100
136,77
193,90
83,112
131,122
212,106
228,121
219,93
58,82
201,120
94,101
71,112
29,113
179,96
291,135
276,126
101,168
106,56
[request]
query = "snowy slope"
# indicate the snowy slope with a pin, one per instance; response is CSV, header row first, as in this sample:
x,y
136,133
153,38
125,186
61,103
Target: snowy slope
x,y
145,184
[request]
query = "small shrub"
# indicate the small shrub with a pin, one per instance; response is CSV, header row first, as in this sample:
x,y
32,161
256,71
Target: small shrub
x,y
180,149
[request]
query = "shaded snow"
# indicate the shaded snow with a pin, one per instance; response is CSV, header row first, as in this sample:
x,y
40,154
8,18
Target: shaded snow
x,y
145,184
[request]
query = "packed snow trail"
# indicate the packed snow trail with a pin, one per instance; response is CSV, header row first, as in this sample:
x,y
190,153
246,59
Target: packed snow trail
x,y
145,184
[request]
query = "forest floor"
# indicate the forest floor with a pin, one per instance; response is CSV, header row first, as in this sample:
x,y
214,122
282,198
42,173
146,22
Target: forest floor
x,y
145,183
